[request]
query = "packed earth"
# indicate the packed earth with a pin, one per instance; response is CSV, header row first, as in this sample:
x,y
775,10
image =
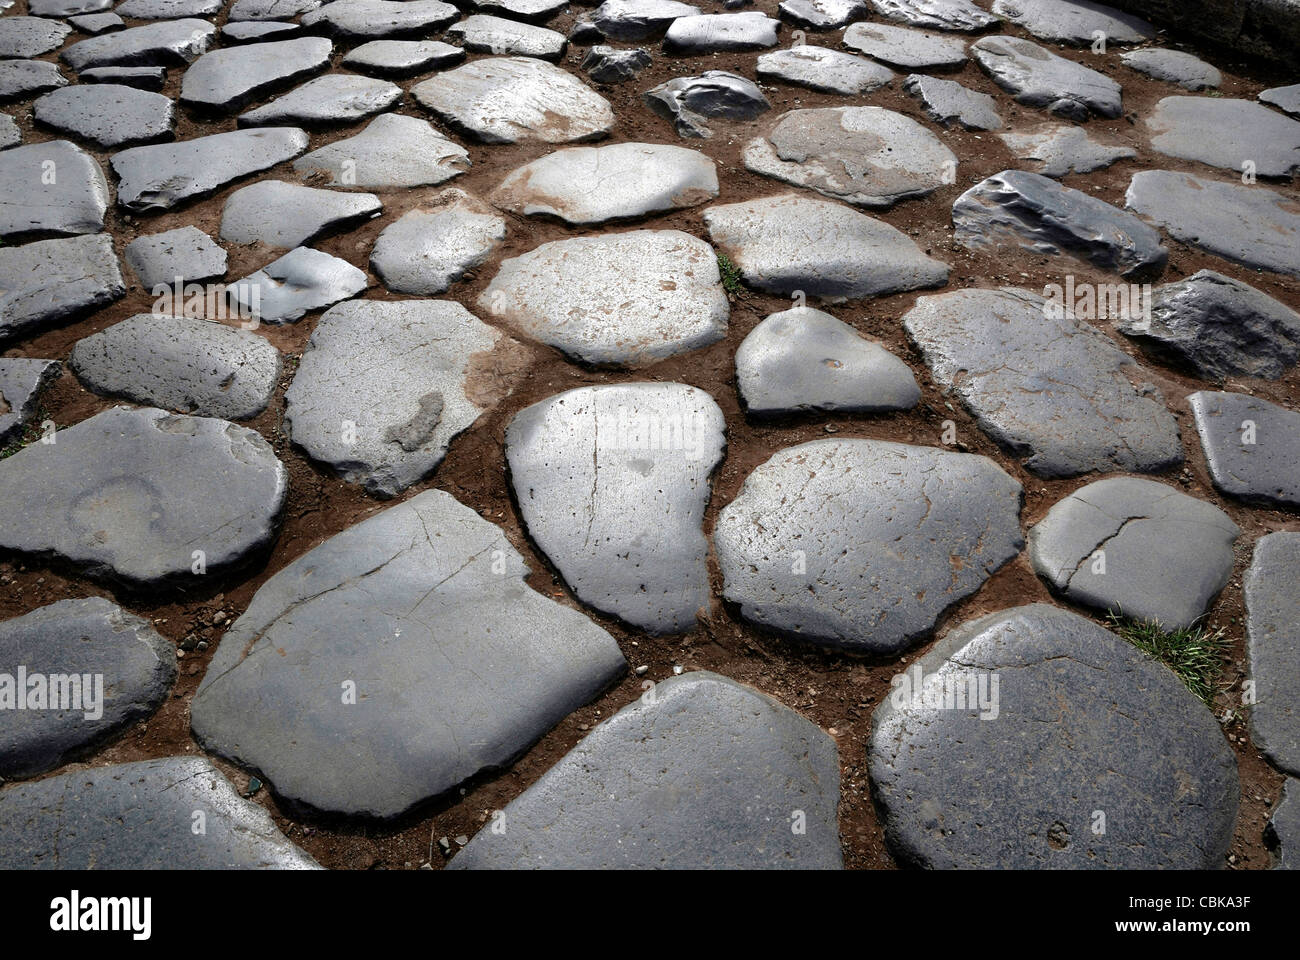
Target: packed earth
x,y
655,434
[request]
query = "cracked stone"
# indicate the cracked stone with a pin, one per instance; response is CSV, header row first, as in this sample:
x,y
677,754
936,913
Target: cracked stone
x,y
687,102
824,70
1059,150
36,205
1037,77
168,43
1222,132
282,214
1173,66
336,98
230,79
429,248
107,114
1251,447
946,101
21,382
906,48
186,253
1273,649
501,37
53,282
301,281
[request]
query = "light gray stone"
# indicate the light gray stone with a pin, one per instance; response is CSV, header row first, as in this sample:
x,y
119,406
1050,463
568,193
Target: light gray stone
x,y
34,204
688,102
331,100
10,135
1226,133
1251,447
289,215
51,282
258,31
301,281
270,9
169,9
21,382
402,58
1074,21
1273,648
632,21
510,38
107,114
822,14
530,11
1037,77
23,38
902,47
606,64
170,43
380,19
720,32
20,79
230,79
429,248
1174,66
824,70
92,24
957,15
1059,150
142,78
1283,830
66,8
186,253
1286,99
392,152
946,101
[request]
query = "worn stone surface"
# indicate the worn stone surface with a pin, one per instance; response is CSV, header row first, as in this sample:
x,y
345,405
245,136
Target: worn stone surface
x,y
402,58
606,64
1227,133
21,382
258,31
282,214
301,281
1037,77
186,253
169,9
270,9
34,204
142,78
55,281
947,101
10,135
1081,715
1074,21
1251,447
230,79
392,152
906,48
863,544
822,14
1273,648
631,21
95,23
332,100
1283,830
957,15
502,37
824,70
380,19
1286,99
1059,150
1188,71
107,114
22,38
689,102
530,11
66,8
429,248
169,43
720,32
20,79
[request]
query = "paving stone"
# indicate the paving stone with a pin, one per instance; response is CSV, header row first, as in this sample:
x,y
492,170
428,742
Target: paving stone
x,y
230,79
1037,77
51,282
1084,721
1251,447
258,31
402,58
1074,21
20,79
66,8
380,19
429,248
792,242
1016,208
632,21
140,496
606,64
803,359
10,135
958,15
186,253
142,78
331,100
392,152
1059,150
1042,385
1288,100
738,763
282,214
618,299
863,544
822,14
1250,225
84,670
509,99
902,47
530,11
96,23
110,115
169,9
824,70
632,548
27,37
1226,133
1283,829
1135,548
946,101
1174,66
688,102
1218,327
502,37
720,32
585,185
159,177
35,204
1273,650
301,281
270,9
21,382
170,43
180,363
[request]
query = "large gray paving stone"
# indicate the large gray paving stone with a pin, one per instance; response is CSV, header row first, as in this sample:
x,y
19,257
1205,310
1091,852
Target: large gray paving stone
x,y
710,774
1037,77
824,70
20,79
1251,447
380,19
152,79
457,665
169,9
1085,724
107,114
863,544
720,32
1272,594
289,288
51,189
10,135
689,102
22,38
21,381
92,670
957,15
66,8
393,151
230,79
402,58
1059,150
429,248
258,31
282,214
1075,22
51,282
509,38
822,14
140,816
1283,830
906,48
332,100
1227,133
169,43
1286,99
529,11
93,24
630,546
946,101
631,21
131,495
186,254
1042,385
1175,66
243,10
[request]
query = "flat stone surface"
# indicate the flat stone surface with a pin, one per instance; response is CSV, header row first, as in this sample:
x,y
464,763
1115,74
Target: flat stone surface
x,y
168,9
169,43
379,19
180,363
230,79
1226,133
95,23
1174,66
258,31
26,37
720,32
186,253
531,11
66,8
1059,150
331,100
159,177
1037,77
429,248
793,242
1135,548
303,280
142,78
20,79
1288,100
282,214
705,776
1074,21
947,101
619,299
109,115
270,9
1218,327
1251,447
689,102
509,99
1251,225
633,547
606,64
34,204
10,135
402,58
458,665
584,185
1049,387
130,494
55,281
632,21
122,669
804,359
862,544
822,14
1085,721
902,47
502,37
21,382
824,70
1273,649
957,15
1283,828
1016,208
140,816
392,152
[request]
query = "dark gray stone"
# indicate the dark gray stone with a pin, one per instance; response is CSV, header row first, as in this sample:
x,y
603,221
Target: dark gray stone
x,y
1283,830
822,14
429,248
946,101
606,64
1074,21
957,15
392,152
21,382
270,9
35,204
169,9
20,79
1226,133
186,253
230,79
22,38
51,282
258,31
1251,447
110,115
910,49
720,32
1037,77
1174,66
142,78
331,100
824,70
301,281
530,11
632,21
380,19
1059,150
170,43
510,38
1273,649
289,215
1286,99
688,102
92,24
402,58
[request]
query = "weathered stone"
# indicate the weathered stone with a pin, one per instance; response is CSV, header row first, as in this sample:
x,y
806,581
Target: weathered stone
x,y
229,79
26,37
55,281
10,135
958,15
1174,66
1037,77
1059,150
186,253
171,43
1075,22
282,214
946,101
606,64
66,8
142,78
301,281
1232,134
822,14
35,204
1288,100
271,9
402,58
1251,447
20,79
632,21
530,11
429,248
392,152
902,47
501,37
21,382
380,19
687,102
331,100
169,9
258,31
718,32
96,23
108,114
1283,829
1273,648
824,70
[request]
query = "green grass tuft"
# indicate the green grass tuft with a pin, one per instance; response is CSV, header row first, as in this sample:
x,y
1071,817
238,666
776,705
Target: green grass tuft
x,y
730,276
1195,654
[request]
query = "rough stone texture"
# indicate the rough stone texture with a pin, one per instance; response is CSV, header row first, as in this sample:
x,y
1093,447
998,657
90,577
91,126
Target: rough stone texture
x,y
257,31
1283,830
10,135
1218,327
1085,722
1251,447
946,101
108,114
1273,648
271,9
169,9
379,19
530,11
282,214
55,281
822,14
1042,385
22,38
301,281
863,544
94,23
159,177
868,156
142,78
1027,210
429,248
458,665
140,816
331,100
704,776
910,49
123,670
1226,133
33,206
20,79
606,64
170,43
21,381
392,152
1288,100
1059,150
720,32
501,37
1037,77
402,58
66,8
180,363
131,494
230,79
186,253
620,299
1074,21
1174,66
585,185
508,99
803,359
824,70
958,15
631,21
687,102
613,482
792,242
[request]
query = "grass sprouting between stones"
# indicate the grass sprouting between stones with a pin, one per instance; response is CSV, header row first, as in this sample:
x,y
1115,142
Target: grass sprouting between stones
x,y
730,276
1195,654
